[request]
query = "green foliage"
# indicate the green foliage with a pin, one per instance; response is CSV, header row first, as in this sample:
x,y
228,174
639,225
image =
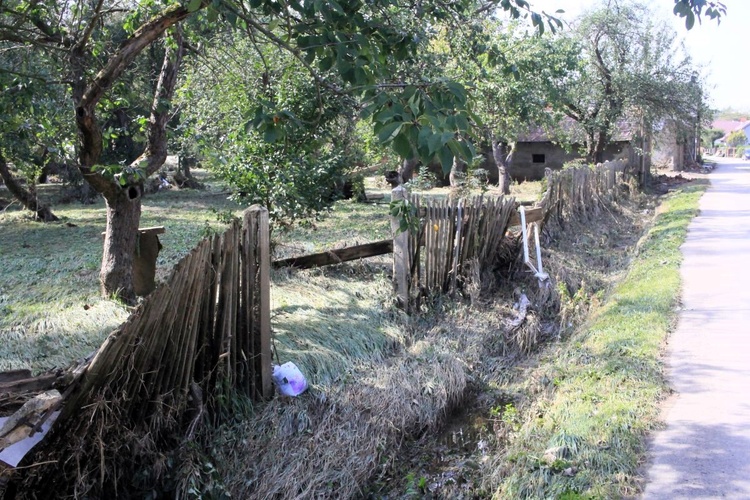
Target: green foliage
x,y
709,136
737,138
694,9
631,70
270,133
406,213
292,188
423,181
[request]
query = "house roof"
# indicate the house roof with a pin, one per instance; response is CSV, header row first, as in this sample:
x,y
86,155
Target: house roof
x,y
732,126
728,126
570,131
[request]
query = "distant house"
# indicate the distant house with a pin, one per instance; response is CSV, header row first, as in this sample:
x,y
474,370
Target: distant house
x,y
538,150
729,126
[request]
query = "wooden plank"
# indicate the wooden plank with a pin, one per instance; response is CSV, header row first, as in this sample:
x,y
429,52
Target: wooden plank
x,y
13,375
33,384
532,215
152,230
264,276
337,256
247,304
401,263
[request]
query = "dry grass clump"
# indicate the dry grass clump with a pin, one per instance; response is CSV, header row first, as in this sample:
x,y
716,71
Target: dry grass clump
x,y
328,443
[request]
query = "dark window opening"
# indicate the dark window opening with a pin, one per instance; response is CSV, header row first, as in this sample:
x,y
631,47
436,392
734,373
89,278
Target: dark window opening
x,y
537,159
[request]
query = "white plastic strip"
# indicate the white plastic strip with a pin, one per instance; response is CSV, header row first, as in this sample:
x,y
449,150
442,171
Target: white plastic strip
x,y
538,270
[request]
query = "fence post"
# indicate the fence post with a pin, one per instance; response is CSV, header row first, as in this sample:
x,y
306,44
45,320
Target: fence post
x,y
263,342
401,255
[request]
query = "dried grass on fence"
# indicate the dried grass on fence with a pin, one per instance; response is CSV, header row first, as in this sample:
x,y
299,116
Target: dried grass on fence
x,y
158,376
583,191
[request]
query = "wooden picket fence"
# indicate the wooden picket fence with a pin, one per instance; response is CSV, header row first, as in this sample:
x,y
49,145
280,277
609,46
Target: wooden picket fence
x,y
583,191
457,232
203,333
453,235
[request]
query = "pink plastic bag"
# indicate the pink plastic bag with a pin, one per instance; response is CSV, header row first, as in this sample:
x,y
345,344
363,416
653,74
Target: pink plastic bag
x,y
289,380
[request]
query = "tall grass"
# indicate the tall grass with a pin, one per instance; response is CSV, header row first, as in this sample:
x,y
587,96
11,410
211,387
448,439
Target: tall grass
x,y
584,437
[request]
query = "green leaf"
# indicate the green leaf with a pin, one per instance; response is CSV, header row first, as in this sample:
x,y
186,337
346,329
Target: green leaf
x,y
434,143
446,159
423,139
271,134
690,21
193,5
402,146
389,131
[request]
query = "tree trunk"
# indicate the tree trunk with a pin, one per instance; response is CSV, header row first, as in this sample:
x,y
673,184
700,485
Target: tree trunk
x,y
599,151
458,173
123,217
124,202
26,197
407,169
499,155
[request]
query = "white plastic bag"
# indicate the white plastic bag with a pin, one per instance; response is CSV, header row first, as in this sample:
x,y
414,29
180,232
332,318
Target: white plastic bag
x,y
289,379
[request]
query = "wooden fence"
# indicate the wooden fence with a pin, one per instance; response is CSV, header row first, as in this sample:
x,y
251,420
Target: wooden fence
x,y
583,191
453,235
457,233
158,375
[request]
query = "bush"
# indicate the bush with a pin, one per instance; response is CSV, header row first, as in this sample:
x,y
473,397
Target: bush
x,y
292,188
423,181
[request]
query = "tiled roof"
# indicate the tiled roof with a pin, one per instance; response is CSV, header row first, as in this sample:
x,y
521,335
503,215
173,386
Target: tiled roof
x,y
727,126
570,131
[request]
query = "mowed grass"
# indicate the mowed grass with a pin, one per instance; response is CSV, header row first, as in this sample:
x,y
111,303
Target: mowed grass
x,y
604,386
51,313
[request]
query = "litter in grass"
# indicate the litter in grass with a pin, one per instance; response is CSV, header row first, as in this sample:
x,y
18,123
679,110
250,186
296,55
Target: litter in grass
x,y
289,380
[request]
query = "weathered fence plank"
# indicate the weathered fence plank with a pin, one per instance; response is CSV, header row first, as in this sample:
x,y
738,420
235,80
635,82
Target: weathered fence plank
x,y
207,329
337,256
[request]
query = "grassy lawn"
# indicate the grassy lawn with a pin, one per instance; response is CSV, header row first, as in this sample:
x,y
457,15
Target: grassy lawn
x,y
50,310
584,435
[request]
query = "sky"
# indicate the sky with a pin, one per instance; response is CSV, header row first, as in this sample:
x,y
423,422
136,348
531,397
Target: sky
x,y
719,49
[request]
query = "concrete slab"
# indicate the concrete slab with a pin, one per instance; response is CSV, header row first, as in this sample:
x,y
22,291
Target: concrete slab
x,y
704,451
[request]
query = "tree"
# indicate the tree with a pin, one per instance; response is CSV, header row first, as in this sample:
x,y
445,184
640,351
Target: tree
x,y
34,126
737,138
294,163
711,135
357,39
514,87
630,71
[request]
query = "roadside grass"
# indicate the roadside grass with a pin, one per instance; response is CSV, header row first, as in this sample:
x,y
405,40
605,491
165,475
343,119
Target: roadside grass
x,y
600,391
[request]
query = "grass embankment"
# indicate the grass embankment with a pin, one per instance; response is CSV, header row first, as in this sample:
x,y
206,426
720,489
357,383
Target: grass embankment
x,y
584,436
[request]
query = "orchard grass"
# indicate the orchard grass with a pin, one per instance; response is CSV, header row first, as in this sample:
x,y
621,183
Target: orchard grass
x,y
605,384
51,313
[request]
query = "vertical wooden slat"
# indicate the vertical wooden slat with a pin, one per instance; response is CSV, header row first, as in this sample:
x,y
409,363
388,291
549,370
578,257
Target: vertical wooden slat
x,y
264,277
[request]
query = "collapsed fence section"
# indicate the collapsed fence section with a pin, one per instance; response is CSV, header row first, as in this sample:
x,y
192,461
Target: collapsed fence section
x,y
195,339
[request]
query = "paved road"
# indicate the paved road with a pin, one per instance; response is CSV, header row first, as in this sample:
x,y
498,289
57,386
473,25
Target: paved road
x,y
704,452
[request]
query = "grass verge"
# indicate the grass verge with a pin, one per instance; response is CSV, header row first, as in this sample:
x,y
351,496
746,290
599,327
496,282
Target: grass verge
x,y
583,436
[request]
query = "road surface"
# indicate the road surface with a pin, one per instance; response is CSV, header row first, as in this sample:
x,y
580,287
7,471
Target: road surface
x,y
704,452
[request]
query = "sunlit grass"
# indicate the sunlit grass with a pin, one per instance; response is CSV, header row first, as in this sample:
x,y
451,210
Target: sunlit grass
x,y
606,382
